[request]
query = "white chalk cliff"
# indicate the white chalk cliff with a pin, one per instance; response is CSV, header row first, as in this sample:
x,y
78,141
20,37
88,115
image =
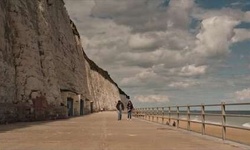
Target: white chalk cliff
x,y
44,72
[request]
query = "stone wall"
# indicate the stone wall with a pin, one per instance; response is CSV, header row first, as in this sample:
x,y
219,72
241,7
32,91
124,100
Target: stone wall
x,y
43,66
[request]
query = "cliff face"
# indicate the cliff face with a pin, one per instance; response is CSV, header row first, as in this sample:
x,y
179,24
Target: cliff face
x,y
44,72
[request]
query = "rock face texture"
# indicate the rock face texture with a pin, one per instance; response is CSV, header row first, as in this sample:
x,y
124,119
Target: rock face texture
x,y
44,72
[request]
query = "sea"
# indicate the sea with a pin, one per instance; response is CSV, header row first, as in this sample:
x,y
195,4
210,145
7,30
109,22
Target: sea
x,y
241,118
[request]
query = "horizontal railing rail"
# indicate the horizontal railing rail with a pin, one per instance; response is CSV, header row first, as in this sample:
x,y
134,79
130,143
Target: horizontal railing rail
x,y
228,121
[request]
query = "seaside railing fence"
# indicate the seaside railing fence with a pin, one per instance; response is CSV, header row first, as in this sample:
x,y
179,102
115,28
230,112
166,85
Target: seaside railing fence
x,y
229,121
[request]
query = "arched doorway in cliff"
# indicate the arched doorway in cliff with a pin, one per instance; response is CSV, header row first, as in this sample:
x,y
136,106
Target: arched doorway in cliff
x,y
70,106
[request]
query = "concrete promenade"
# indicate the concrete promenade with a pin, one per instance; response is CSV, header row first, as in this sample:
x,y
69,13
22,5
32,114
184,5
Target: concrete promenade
x,y
102,131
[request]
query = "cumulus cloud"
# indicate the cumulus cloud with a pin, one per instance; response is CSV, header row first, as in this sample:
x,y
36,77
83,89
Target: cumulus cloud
x,y
215,36
132,13
192,70
241,35
243,94
189,70
139,41
182,84
146,74
178,13
152,98
246,16
140,78
176,39
203,14
77,8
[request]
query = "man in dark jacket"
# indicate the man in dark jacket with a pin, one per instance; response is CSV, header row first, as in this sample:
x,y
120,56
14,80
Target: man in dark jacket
x,y
120,108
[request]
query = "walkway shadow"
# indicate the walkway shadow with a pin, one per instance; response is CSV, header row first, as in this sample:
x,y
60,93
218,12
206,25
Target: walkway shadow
x,y
18,125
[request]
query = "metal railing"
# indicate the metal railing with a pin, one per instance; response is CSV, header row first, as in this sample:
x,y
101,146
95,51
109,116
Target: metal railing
x,y
226,121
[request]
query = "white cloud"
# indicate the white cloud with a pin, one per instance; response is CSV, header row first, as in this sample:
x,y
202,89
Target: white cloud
x,y
175,39
241,35
203,14
215,36
192,70
130,82
185,84
152,98
178,13
246,16
132,13
188,71
140,78
79,8
139,41
146,74
243,94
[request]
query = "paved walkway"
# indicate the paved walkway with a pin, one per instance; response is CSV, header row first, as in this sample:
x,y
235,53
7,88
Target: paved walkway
x,y
102,131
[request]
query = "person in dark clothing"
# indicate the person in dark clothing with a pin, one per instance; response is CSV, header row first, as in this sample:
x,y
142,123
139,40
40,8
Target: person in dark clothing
x,y
120,108
130,107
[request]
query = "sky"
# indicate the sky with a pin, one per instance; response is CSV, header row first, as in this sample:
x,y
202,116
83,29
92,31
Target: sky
x,y
169,52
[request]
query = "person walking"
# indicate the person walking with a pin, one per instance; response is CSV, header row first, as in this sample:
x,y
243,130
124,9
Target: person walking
x,y
120,108
130,107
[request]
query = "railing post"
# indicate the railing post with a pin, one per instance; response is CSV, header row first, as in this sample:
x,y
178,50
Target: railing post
x,y
169,115
162,119
153,114
178,116
203,119
157,117
141,113
144,113
188,117
148,114
223,114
